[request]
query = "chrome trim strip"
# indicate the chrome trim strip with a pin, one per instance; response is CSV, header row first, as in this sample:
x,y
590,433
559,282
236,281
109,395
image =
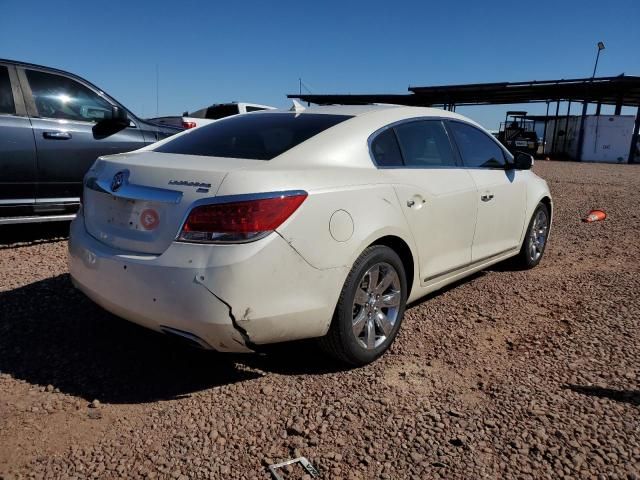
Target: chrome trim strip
x,y
40,201
37,219
470,264
18,201
243,197
132,191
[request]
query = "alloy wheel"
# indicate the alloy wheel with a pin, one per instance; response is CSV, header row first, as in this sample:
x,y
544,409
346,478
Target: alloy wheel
x,y
376,305
538,235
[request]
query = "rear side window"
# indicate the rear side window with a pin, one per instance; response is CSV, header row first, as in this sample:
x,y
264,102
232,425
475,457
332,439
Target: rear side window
x,y
256,137
476,147
385,149
425,144
6,96
217,112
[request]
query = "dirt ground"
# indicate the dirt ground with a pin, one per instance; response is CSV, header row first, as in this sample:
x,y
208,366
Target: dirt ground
x,y
507,374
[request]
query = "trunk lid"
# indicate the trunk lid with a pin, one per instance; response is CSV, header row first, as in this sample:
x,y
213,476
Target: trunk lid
x,y
138,201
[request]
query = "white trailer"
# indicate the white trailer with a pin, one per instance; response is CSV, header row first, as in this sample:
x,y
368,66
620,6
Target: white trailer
x,y
607,138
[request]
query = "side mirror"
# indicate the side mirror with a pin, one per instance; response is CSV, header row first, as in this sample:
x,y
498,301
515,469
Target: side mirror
x,y
521,161
111,124
119,116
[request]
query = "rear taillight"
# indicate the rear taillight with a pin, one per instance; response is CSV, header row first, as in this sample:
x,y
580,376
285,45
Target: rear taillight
x,y
188,125
241,220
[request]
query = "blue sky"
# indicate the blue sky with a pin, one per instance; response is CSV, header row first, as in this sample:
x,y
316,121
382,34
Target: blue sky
x,y
209,52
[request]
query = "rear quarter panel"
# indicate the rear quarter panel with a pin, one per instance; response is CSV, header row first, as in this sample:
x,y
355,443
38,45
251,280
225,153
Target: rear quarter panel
x,y
365,204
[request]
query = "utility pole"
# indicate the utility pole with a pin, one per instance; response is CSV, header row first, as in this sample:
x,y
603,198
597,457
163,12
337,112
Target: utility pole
x,y
157,91
586,104
600,48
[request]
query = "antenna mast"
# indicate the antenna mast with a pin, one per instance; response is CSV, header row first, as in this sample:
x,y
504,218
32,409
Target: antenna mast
x,y
157,91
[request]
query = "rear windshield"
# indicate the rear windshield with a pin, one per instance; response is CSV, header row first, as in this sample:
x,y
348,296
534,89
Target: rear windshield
x,y
260,136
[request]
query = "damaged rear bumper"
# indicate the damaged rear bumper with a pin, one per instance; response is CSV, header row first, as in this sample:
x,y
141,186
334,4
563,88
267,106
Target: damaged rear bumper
x,y
231,298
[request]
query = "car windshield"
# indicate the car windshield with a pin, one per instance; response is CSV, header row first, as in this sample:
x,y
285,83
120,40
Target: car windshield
x,y
260,136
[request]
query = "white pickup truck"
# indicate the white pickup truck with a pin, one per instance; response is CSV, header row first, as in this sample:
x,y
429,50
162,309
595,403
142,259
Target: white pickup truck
x,y
209,114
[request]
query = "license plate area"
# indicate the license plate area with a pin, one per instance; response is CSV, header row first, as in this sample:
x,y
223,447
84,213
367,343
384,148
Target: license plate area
x,y
136,215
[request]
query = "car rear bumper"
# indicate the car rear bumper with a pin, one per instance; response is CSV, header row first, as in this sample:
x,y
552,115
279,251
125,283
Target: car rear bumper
x,y
232,297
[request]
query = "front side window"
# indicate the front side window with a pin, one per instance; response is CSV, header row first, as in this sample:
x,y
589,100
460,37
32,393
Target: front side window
x,y
60,97
425,144
6,96
477,149
385,149
249,108
254,137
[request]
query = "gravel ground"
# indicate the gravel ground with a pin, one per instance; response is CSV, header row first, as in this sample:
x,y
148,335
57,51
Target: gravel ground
x,y
507,374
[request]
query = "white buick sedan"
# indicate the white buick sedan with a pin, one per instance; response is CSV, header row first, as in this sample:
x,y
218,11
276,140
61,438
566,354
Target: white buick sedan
x,y
281,225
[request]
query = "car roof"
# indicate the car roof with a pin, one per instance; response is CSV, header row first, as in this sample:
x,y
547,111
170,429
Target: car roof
x,y
35,65
63,72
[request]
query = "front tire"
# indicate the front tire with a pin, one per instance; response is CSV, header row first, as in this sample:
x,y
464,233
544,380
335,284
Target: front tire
x,y
535,240
370,308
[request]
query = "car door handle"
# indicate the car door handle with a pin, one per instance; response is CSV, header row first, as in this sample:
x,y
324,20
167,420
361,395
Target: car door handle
x,y
57,135
486,197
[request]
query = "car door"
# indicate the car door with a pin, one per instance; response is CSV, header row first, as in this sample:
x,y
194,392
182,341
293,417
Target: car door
x,y
70,133
17,147
438,197
501,192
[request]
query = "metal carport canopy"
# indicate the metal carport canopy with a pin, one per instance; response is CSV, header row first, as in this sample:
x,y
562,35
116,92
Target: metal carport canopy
x,y
620,90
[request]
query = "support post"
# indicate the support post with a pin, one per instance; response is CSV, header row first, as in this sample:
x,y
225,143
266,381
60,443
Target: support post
x,y
566,127
544,133
504,130
633,158
598,107
581,132
555,129
618,107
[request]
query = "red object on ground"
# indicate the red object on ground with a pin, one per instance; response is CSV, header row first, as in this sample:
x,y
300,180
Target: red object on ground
x,y
595,216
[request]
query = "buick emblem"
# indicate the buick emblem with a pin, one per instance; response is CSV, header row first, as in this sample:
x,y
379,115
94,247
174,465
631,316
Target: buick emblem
x,y
118,180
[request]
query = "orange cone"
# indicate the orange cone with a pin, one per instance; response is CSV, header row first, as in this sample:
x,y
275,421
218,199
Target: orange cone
x,y
595,216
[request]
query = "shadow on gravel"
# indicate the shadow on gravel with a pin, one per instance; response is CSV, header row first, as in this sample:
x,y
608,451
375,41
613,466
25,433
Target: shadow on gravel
x,y
12,236
51,334
303,357
451,286
625,396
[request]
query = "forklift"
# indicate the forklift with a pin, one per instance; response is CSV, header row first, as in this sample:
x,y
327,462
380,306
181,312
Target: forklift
x,y
518,133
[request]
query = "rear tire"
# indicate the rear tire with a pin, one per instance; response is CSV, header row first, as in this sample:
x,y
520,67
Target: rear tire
x,y
535,240
370,308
